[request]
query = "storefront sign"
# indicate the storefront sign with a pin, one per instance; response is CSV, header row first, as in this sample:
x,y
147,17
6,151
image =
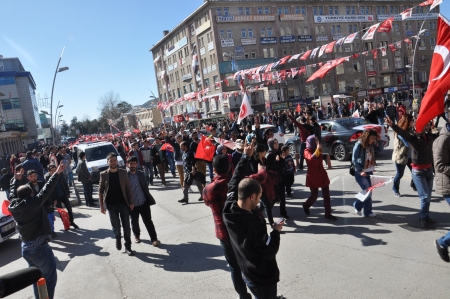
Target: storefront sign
x,y
414,17
229,42
248,41
239,52
245,18
362,93
291,17
371,74
268,40
178,45
279,106
322,38
401,71
403,87
375,92
305,38
390,89
287,39
225,67
203,27
343,18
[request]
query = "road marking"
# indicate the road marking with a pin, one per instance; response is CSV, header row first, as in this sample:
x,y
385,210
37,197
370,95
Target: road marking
x,y
334,179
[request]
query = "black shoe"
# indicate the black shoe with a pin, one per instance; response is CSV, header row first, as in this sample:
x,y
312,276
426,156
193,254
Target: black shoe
x,y
74,225
306,210
129,251
427,223
331,217
183,200
118,244
200,199
92,205
443,253
54,235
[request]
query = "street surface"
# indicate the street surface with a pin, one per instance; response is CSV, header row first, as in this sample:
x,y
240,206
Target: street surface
x,y
389,256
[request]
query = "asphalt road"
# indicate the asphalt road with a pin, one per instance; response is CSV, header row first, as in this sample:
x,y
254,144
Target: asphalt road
x,y
389,256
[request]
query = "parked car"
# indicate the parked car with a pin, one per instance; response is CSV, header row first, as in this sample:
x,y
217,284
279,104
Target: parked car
x,y
340,135
8,226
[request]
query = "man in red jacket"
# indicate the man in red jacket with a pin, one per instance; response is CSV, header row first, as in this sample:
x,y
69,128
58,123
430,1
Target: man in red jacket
x,y
215,195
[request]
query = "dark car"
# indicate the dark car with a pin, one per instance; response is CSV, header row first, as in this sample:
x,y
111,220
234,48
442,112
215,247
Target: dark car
x,y
338,137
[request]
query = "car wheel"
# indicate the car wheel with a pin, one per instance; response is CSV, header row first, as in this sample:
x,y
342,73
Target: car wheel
x,y
340,152
292,149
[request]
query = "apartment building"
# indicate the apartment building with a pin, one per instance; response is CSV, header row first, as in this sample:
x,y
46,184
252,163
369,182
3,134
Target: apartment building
x,y
221,37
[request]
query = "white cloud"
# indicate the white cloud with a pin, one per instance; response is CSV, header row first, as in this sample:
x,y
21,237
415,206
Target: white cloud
x,y
22,53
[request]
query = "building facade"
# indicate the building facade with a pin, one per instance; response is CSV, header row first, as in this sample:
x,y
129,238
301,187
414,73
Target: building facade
x,y
222,37
18,101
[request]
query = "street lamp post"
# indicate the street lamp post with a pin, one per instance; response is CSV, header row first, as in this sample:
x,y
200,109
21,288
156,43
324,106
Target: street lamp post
x,y
53,87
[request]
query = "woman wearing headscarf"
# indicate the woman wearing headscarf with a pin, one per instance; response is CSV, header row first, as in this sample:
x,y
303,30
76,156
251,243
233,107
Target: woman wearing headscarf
x,y
222,150
364,160
317,177
275,162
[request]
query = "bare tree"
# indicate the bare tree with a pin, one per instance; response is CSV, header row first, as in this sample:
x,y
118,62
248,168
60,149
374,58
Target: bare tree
x,y
112,107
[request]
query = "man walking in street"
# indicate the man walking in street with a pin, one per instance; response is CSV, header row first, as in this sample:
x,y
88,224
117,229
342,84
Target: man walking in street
x,y
255,249
115,194
31,219
215,195
146,153
391,112
134,152
159,159
84,176
142,202
191,174
31,163
441,157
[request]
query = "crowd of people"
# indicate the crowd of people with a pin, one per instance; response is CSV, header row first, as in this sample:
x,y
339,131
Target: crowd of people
x,y
241,172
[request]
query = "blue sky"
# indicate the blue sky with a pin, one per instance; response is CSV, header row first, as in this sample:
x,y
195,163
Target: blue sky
x,y
106,42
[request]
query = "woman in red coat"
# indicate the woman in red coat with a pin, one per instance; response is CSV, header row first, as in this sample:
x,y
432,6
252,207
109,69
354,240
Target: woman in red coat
x,y
316,177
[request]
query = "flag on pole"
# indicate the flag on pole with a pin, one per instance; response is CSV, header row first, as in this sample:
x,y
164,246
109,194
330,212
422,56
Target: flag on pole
x,y
246,109
433,102
340,41
377,182
436,3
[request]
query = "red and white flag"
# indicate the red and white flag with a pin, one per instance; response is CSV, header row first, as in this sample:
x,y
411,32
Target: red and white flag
x,y
392,47
408,41
375,53
340,41
314,52
349,39
383,51
356,114
296,56
322,50
407,14
370,32
320,73
377,182
433,102
305,55
433,3
330,47
386,26
246,109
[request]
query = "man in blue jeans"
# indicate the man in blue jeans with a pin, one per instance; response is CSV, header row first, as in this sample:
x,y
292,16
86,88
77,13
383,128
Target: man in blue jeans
x,y
441,157
34,228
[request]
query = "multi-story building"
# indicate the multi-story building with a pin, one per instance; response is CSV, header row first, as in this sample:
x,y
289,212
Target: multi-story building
x,y
143,117
20,114
221,37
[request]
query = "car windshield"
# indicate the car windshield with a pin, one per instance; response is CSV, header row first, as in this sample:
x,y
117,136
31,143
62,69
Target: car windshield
x,y
99,152
352,122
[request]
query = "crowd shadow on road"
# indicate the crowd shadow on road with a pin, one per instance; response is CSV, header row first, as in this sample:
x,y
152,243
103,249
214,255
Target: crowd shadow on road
x,y
186,257
10,251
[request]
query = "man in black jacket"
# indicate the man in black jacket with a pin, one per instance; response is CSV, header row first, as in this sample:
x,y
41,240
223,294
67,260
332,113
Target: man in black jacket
x,y
142,202
255,249
32,222
19,180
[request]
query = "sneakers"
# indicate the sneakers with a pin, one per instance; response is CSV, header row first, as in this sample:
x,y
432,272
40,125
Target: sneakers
x,y
137,239
427,223
358,212
443,253
331,217
156,243
184,200
372,215
396,194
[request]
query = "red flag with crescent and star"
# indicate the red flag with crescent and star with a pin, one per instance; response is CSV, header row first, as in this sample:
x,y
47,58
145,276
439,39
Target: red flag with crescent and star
x,y
433,102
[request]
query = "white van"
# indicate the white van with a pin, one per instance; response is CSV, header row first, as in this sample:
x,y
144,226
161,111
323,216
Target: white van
x,y
96,153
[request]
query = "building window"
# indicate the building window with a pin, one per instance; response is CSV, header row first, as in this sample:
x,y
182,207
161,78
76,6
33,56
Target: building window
x,y
394,10
330,10
219,11
266,10
7,80
229,34
281,31
286,10
280,10
433,25
240,11
357,66
263,32
216,79
340,69
288,30
320,10
191,87
335,29
386,80
259,10
304,10
305,30
269,31
315,10
243,33
368,46
253,55
372,82
207,82
433,41
265,53
297,10
385,64
9,104
381,10
423,76
247,10
271,52
250,32
419,9
225,11
342,86
285,51
369,65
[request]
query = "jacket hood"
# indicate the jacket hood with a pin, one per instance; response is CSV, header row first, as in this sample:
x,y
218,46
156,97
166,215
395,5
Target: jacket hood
x,y
236,218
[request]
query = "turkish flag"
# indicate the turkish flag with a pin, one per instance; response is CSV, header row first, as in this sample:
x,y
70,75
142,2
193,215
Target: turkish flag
x,y
392,47
386,26
330,47
205,149
5,205
433,102
320,73
246,109
178,118
305,55
375,53
298,108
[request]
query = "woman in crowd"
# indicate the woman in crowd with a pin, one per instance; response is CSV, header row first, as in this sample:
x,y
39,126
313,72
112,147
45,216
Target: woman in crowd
x,y
276,163
421,144
401,153
316,177
364,160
